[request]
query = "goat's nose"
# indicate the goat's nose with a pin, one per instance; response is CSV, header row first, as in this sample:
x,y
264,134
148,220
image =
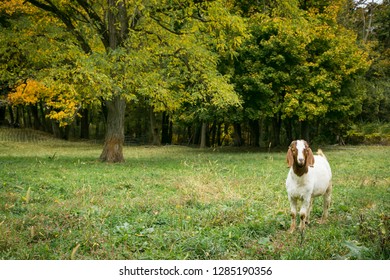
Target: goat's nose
x,y
301,161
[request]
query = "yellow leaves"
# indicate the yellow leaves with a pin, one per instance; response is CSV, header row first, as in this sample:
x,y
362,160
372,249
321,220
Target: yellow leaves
x,y
64,104
11,7
28,93
226,30
287,9
333,10
291,104
61,99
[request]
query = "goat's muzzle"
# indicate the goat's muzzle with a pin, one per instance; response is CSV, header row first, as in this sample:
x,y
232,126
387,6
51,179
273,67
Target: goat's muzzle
x,y
301,162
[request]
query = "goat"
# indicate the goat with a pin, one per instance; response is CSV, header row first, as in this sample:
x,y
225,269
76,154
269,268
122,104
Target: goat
x,y
309,176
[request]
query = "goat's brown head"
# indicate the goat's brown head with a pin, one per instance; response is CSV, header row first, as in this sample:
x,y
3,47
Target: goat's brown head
x,y
300,156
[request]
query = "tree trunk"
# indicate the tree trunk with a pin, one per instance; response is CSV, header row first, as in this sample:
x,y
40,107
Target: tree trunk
x,y
11,115
17,118
36,121
2,115
170,132
255,133
238,141
43,120
196,139
219,133
289,131
60,132
114,139
203,135
213,131
115,128
166,138
154,129
84,124
305,131
276,127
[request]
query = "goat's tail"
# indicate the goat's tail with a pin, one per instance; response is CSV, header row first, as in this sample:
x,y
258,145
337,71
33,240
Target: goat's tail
x,y
320,153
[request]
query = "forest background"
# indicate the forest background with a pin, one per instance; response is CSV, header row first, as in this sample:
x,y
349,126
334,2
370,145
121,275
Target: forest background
x,y
201,72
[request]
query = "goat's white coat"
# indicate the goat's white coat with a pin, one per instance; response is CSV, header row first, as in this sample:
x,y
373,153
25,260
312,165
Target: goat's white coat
x,y
313,183
316,182
300,148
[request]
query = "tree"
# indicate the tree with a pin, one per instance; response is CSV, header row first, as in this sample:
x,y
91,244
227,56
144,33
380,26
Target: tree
x,y
296,67
26,58
370,20
377,83
112,34
162,51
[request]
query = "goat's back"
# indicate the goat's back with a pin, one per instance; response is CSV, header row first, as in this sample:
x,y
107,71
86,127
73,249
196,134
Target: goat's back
x,y
321,173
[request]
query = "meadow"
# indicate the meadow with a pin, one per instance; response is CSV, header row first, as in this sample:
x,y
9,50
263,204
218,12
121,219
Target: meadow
x,y
58,201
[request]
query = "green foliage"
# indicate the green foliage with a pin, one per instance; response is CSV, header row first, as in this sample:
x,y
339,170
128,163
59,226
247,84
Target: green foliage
x,y
28,44
370,22
297,64
369,134
44,53
169,55
287,64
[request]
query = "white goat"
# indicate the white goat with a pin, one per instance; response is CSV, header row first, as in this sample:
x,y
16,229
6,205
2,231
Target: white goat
x,y
309,176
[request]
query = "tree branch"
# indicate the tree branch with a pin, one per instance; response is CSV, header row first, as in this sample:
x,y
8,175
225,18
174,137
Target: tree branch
x,y
96,21
49,6
158,21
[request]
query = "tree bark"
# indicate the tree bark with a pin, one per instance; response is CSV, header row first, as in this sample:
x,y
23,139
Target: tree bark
x,y
166,129
289,130
36,121
238,141
115,135
84,124
11,115
305,131
114,139
203,135
276,127
219,133
213,131
154,129
2,115
255,133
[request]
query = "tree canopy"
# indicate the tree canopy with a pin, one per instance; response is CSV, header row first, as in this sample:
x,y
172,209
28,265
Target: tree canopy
x,y
296,66
283,68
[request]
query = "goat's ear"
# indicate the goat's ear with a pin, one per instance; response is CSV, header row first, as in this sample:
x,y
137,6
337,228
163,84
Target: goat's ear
x,y
290,157
310,158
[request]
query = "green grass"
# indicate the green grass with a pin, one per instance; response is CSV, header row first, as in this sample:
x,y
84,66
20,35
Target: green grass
x,y
57,201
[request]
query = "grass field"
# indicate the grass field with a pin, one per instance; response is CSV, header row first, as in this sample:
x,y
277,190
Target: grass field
x,y
57,201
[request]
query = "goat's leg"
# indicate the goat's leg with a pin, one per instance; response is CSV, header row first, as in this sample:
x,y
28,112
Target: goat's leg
x,y
303,221
293,206
309,210
327,199
303,213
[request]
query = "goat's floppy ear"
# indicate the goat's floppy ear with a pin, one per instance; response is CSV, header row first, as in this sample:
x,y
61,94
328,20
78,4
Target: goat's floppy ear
x,y
290,157
310,158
